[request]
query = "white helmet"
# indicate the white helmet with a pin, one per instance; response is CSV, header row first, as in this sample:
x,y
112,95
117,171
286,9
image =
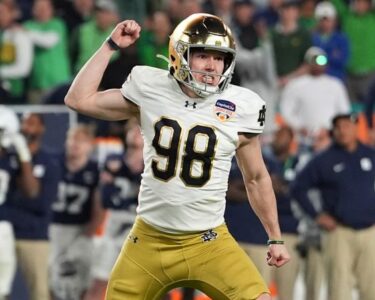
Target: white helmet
x,y
9,124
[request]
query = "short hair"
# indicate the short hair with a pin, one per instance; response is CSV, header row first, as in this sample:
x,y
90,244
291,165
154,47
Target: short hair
x,y
290,3
86,129
39,116
287,129
351,117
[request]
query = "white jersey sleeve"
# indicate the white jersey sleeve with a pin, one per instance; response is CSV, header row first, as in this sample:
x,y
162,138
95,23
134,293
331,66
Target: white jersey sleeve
x,y
251,113
134,87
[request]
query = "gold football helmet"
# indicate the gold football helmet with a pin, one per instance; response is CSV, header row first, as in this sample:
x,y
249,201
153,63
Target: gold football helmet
x,y
201,31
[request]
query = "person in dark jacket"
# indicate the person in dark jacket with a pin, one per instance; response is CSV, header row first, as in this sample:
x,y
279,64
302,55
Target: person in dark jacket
x,y
345,174
246,227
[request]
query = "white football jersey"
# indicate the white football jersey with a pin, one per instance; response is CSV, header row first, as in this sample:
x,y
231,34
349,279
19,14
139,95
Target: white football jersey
x,y
189,144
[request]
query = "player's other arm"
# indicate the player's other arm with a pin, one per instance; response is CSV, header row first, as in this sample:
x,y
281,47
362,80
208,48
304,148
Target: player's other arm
x,y
97,215
28,183
83,95
260,193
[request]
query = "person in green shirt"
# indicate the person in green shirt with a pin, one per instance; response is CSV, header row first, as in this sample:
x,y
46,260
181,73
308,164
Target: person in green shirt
x,y
307,19
358,22
155,41
290,43
90,35
51,66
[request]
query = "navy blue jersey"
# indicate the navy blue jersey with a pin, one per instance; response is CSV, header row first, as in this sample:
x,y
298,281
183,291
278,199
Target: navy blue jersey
x,y
9,170
346,181
284,173
75,195
30,217
122,191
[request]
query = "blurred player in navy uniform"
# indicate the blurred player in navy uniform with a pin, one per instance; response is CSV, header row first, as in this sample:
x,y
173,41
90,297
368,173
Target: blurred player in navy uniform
x,y
76,216
193,122
16,173
344,173
31,217
246,227
120,181
282,164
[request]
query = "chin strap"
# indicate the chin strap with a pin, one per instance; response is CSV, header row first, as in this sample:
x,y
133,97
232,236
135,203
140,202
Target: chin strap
x,y
204,90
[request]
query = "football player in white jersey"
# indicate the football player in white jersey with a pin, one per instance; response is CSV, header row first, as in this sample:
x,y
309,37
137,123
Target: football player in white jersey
x,y
193,122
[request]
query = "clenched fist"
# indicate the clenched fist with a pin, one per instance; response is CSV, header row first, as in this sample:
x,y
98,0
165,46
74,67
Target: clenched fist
x,y
277,255
126,33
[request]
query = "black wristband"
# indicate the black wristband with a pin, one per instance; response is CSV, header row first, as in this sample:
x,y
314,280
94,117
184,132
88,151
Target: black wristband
x,y
112,44
275,242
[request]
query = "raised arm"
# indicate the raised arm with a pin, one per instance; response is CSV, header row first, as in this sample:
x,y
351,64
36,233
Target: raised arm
x,y
261,195
28,183
83,95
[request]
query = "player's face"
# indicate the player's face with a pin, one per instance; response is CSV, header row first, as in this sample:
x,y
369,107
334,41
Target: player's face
x,y
345,132
105,19
327,25
6,15
78,144
282,141
32,127
205,64
289,13
83,5
43,10
316,69
361,6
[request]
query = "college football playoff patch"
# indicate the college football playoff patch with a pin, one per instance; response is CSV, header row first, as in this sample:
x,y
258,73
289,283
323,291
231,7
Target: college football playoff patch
x,y
224,110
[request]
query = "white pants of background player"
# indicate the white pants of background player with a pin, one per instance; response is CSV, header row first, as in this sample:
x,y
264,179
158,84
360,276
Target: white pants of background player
x,y
7,258
109,246
70,261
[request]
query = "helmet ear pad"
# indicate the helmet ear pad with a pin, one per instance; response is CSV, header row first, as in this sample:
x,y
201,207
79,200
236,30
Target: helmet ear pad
x,y
228,61
201,31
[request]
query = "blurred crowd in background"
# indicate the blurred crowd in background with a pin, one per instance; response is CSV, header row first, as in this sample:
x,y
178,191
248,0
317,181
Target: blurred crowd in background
x,y
312,62
44,44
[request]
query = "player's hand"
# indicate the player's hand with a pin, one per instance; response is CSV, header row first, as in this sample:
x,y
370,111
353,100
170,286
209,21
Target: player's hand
x,y
277,255
326,221
126,33
282,81
20,145
106,178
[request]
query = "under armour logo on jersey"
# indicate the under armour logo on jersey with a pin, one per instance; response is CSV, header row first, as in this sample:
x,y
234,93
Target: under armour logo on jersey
x,y
262,115
133,238
209,236
188,104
